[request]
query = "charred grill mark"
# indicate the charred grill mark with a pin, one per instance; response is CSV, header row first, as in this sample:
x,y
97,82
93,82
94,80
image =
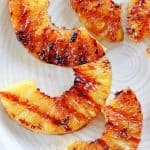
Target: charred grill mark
x,y
42,55
24,35
44,48
65,122
74,37
77,80
24,15
109,123
11,13
130,30
118,131
120,114
13,115
28,124
24,122
21,37
81,60
96,51
51,50
84,84
39,126
118,93
50,46
102,143
58,59
106,65
123,133
33,126
88,99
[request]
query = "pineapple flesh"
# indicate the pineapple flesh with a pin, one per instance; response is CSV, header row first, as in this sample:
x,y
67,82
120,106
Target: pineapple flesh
x,y
59,115
123,125
102,18
138,22
50,44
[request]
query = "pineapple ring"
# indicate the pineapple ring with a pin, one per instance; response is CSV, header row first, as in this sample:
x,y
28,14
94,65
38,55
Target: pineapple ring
x,y
37,33
69,112
123,125
138,23
101,17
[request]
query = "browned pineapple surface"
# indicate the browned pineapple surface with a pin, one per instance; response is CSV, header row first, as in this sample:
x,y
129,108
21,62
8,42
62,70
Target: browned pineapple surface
x,y
50,44
148,50
123,125
67,113
101,17
138,24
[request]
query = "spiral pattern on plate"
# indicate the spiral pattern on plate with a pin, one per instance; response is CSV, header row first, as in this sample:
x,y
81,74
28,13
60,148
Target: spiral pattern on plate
x,y
129,65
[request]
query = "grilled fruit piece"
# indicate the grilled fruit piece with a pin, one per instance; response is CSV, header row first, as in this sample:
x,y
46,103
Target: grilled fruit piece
x,y
138,23
50,44
123,125
67,113
101,17
148,50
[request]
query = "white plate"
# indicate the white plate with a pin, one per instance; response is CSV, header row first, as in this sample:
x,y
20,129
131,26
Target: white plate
x,y
131,68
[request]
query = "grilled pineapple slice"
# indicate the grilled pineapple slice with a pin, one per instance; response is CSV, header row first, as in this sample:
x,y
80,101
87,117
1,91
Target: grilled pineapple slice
x,y
101,17
59,115
148,50
123,125
48,43
138,23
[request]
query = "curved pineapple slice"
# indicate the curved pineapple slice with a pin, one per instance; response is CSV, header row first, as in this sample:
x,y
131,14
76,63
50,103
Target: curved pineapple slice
x,y
67,113
48,43
138,23
102,18
123,125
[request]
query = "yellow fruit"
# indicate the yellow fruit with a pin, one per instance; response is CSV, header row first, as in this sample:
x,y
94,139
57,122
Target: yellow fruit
x,y
59,115
138,23
48,43
123,125
102,18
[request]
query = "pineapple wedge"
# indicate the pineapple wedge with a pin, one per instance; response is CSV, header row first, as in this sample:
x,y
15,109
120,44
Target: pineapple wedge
x,y
48,43
138,23
102,18
123,125
59,115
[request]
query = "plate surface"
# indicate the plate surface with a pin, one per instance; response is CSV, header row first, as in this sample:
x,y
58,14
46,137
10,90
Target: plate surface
x,y
130,64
